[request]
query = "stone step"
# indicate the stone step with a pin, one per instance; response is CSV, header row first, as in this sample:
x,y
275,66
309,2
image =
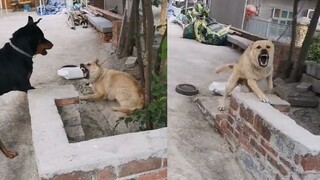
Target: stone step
x,y
289,92
102,24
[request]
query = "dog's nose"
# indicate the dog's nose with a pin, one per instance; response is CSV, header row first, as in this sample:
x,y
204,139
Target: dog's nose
x,y
264,51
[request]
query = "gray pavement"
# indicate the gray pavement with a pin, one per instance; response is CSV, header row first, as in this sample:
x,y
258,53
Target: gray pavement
x,y
195,150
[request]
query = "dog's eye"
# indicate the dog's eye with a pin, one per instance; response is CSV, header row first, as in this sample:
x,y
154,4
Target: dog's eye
x,y
258,47
268,47
88,64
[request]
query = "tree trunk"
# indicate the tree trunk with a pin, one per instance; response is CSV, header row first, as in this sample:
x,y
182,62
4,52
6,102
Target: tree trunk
x,y
163,16
137,40
127,49
298,66
149,42
293,37
144,24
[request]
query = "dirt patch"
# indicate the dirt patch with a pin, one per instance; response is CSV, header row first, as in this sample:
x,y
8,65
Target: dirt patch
x,y
307,118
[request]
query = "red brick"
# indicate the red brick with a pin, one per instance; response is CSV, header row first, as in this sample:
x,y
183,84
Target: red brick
x,y
239,128
246,113
231,138
135,167
261,128
310,162
234,104
106,173
278,166
251,132
297,159
232,113
230,127
230,119
221,127
285,162
220,117
268,147
256,146
77,175
164,163
161,174
246,134
67,101
246,143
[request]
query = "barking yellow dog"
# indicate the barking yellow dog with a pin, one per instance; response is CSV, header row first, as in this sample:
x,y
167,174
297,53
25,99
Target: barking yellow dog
x,y
254,64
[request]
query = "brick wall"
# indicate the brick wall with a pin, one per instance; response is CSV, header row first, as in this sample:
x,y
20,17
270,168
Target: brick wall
x,y
281,58
149,169
268,143
116,29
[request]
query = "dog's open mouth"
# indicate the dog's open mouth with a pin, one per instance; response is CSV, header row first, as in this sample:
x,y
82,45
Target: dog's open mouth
x,y
85,71
263,58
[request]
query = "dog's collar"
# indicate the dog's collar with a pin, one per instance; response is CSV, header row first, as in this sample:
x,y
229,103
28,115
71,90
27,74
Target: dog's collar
x,y
19,50
97,76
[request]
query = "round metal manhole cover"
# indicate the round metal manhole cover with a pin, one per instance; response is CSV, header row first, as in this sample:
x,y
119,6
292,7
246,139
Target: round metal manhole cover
x,y
187,89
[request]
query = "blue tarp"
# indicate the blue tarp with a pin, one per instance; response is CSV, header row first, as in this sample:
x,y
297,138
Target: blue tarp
x,y
52,7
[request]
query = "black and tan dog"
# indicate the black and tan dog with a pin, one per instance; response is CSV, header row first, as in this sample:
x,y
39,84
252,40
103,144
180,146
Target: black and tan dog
x,y
16,63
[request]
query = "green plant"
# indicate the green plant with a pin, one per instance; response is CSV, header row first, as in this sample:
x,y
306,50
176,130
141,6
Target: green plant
x,y
314,50
156,2
154,115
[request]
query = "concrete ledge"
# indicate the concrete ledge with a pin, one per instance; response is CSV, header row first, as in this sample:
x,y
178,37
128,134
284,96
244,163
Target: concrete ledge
x,y
241,42
269,144
102,24
57,158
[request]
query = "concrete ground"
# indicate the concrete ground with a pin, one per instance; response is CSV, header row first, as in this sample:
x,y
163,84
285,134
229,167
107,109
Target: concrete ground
x,y
195,149
70,47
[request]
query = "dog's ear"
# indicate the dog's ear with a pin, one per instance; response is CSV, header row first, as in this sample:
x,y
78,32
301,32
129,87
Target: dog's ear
x,y
37,21
30,20
97,61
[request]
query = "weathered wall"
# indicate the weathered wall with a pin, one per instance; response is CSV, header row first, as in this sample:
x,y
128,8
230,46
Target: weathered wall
x,y
269,144
228,11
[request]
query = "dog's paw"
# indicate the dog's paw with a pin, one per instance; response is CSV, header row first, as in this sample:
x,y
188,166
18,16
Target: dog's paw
x,y
11,154
114,109
264,99
82,97
221,108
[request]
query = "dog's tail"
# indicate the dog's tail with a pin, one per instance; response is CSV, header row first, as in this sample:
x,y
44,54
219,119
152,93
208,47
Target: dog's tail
x,y
225,67
126,110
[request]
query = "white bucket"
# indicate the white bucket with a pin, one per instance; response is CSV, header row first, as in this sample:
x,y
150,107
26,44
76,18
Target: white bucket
x,y
70,72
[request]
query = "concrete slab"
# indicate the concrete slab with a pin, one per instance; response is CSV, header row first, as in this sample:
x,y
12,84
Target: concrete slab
x,y
241,42
55,155
131,61
102,24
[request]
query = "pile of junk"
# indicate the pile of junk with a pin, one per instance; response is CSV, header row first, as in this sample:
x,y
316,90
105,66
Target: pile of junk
x,y
197,24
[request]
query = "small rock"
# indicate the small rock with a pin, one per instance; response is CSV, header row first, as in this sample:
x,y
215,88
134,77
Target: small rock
x,y
278,81
303,101
304,87
131,61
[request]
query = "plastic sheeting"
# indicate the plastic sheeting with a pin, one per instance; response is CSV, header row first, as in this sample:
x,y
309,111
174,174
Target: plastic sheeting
x,y
52,7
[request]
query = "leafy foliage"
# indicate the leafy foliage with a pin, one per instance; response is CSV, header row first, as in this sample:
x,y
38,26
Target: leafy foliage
x,y
314,50
156,2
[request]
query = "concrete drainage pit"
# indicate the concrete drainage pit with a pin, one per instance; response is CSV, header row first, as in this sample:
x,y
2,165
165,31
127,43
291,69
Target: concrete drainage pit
x,y
71,119
54,117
